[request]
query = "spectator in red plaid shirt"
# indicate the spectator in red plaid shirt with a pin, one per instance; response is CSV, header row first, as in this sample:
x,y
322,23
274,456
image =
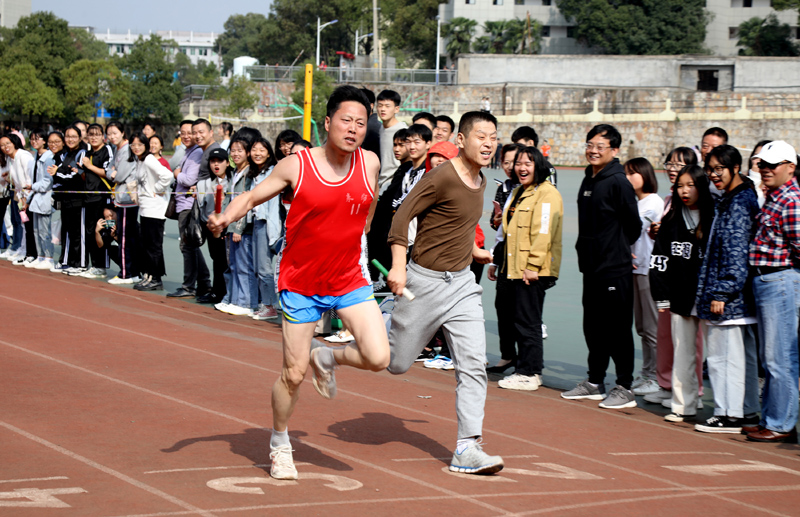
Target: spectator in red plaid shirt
x,y
774,260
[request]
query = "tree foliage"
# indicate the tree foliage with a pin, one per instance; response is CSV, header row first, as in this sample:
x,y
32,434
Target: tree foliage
x,y
766,37
639,27
189,73
88,46
87,83
459,33
410,30
241,37
241,95
23,93
154,93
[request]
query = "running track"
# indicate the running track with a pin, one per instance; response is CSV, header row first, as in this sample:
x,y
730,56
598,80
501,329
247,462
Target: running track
x,y
118,403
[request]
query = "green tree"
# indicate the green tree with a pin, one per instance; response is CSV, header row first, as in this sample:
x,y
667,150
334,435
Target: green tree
x,y
44,41
459,33
322,89
639,27
87,45
154,93
410,30
766,37
24,94
87,83
241,95
241,37
201,73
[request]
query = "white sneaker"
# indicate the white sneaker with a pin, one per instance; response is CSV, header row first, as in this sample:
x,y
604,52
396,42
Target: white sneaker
x,y
324,380
74,271
94,273
282,463
647,387
638,381
21,261
516,381
5,253
343,336
44,264
124,281
659,396
237,311
57,267
12,255
544,331
221,306
31,262
439,362
472,460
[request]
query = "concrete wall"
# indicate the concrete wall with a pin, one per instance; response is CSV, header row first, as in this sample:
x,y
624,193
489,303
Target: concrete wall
x,y
737,73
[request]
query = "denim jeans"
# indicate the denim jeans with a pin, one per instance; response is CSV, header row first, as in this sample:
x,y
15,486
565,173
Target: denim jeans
x,y
262,257
44,240
732,369
777,298
243,278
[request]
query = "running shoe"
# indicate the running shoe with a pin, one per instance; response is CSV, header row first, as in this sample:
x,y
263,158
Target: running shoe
x,y
585,390
619,398
519,382
282,462
439,362
470,459
323,379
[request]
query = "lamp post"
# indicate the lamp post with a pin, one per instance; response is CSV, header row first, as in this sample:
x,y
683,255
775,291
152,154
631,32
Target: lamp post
x,y
319,29
358,39
438,39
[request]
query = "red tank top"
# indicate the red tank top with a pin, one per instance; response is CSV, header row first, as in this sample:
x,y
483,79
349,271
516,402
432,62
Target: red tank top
x,y
323,231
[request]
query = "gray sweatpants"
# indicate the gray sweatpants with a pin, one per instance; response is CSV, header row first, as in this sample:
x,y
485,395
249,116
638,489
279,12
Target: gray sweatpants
x,y
451,301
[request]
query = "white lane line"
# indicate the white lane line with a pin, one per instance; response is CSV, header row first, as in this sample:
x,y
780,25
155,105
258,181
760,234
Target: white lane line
x,y
195,469
486,495
108,470
327,450
32,479
450,458
670,453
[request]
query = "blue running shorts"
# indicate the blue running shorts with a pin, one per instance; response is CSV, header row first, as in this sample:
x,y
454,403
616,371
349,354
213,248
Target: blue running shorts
x,y
298,308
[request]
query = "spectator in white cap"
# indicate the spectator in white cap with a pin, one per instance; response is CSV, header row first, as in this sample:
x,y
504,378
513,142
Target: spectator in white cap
x,y
774,261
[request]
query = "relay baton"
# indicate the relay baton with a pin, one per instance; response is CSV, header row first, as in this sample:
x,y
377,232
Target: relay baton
x,y
218,193
408,294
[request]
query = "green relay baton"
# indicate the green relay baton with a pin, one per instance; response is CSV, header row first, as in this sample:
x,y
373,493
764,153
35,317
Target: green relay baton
x,y
408,294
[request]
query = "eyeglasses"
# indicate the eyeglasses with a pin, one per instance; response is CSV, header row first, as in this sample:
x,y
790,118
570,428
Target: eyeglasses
x,y
716,171
673,165
598,148
770,166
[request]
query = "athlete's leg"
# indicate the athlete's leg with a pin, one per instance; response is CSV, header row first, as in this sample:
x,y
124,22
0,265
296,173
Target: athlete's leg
x,y
371,348
296,347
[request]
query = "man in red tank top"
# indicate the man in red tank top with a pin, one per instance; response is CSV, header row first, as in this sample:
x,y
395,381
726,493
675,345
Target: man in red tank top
x,y
334,189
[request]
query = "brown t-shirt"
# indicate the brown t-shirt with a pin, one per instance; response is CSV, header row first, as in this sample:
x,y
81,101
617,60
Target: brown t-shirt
x,y
447,212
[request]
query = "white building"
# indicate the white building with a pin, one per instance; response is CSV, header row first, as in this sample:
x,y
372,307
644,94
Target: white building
x,y
12,10
721,32
199,46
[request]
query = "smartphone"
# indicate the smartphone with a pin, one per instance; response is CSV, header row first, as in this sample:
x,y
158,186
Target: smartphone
x,y
499,182
110,223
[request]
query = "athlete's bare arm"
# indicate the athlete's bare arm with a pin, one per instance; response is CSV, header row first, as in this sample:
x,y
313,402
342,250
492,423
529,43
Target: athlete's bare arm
x,y
283,175
373,166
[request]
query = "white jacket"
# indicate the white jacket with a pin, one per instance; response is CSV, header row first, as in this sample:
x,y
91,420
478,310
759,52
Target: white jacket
x,y
22,170
154,181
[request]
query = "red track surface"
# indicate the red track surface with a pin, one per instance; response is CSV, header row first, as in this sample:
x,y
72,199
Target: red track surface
x,y
118,403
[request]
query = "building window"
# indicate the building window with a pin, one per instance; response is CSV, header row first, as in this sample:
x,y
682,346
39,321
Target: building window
x,y
193,50
797,33
120,49
497,2
545,31
733,32
707,80
203,51
570,32
547,2
746,3
470,2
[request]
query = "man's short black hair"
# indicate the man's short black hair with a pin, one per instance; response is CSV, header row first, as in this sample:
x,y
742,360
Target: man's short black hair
x,y
608,132
185,121
346,93
400,134
368,93
390,95
445,118
200,121
420,130
469,119
525,133
424,115
717,131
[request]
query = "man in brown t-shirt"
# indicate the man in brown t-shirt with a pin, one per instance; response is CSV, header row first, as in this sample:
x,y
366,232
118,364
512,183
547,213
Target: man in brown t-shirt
x,y
447,202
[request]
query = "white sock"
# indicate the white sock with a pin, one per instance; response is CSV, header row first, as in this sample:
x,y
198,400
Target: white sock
x,y
326,358
463,443
279,438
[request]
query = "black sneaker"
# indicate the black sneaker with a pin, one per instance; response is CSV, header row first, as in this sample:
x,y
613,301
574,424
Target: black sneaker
x,y
426,354
150,285
720,424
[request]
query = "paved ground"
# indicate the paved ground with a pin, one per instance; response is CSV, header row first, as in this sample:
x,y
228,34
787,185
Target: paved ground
x,y
118,403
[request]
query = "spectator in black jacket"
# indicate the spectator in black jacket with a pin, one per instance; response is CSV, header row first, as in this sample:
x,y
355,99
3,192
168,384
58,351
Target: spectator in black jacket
x,y
608,224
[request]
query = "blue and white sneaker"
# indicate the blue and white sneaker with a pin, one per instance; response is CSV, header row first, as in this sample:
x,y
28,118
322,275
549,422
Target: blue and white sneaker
x,y
470,459
439,362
